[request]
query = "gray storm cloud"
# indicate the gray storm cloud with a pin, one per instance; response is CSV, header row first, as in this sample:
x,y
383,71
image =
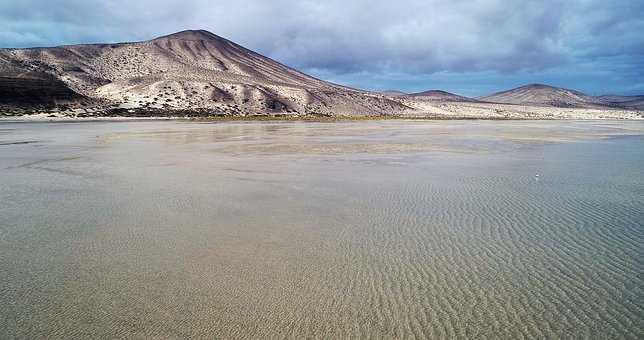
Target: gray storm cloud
x,y
345,37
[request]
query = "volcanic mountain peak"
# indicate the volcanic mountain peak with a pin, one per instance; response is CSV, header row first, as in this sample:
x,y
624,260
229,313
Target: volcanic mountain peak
x,y
192,35
539,86
188,70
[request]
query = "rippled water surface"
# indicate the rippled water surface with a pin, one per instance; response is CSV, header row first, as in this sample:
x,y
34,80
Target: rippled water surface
x,y
392,229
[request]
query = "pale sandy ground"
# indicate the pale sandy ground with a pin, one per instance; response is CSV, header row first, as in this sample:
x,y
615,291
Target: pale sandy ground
x,y
492,110
347,230
45,117
418,109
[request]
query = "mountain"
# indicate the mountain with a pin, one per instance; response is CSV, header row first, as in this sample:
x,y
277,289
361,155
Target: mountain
x,y
188,70
635,104
197,73
439,95
33,88
615,99
393,93
544,95
628,102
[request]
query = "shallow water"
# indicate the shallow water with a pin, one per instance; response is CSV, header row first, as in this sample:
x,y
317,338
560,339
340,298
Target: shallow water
x,y
392,229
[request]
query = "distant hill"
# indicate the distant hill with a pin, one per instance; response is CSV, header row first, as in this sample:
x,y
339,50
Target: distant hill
x,y
393,93
544,95
628,102
440,95
636,104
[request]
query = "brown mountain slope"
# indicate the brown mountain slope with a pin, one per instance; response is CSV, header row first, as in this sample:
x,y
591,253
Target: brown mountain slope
x,y
24,86
544,95
189,70
628,102
635,104
33,88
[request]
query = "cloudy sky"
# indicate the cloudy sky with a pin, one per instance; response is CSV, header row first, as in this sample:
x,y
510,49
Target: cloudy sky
x,y
471,47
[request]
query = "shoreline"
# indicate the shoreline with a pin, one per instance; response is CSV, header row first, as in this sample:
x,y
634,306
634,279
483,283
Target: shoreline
x,y
286,118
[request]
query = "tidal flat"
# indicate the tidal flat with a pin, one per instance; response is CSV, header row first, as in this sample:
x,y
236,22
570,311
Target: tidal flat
x,y
366,229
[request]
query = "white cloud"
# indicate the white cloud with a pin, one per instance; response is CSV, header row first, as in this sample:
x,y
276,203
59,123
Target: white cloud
x,y
360,36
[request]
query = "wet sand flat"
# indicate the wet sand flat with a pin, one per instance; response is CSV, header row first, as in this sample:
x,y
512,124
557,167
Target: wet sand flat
x,y
374,229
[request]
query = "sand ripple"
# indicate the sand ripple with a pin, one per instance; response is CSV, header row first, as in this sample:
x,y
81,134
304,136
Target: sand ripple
x,y
285,230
